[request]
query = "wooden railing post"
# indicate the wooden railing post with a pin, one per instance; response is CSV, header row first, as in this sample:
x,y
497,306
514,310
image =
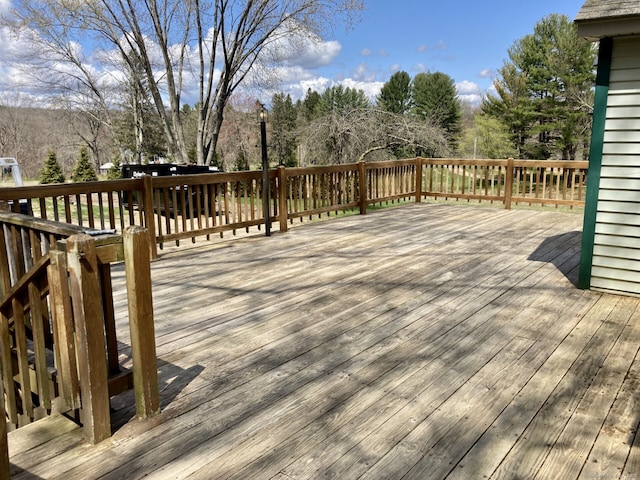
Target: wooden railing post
x,y
143,340
282,198
5,342
418,179
508,187
4,444
88,314
62,320
362,170
149,216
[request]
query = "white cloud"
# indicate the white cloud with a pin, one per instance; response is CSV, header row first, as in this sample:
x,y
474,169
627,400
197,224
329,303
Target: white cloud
x,y
469,92
5,6
318,84
371,89
465,87
319,54
471,99
298,90
304,49
367,52
440,45
487,73
362,73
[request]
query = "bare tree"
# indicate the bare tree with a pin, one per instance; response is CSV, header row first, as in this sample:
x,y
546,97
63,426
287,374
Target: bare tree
x,y
207,48
356,134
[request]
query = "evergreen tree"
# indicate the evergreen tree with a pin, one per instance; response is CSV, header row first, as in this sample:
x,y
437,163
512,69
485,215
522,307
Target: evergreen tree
x,y
283,125
545,90
434,97
51,172
395,95
241,161
190,121
84,170
339,99
514,108
115,172
309,106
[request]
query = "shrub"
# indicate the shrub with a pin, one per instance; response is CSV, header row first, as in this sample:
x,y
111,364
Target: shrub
x,y
84,171
51,172
115,172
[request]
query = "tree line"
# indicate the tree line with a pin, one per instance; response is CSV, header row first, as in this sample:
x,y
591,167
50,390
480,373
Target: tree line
x,y
540,106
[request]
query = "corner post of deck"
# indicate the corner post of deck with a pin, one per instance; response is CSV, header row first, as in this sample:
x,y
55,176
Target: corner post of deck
x,y
282,198
149,217
84,286
418,179
362,174
143,341
508,184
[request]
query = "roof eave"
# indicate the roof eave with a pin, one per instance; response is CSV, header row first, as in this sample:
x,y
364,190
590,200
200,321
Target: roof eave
x,y
610,27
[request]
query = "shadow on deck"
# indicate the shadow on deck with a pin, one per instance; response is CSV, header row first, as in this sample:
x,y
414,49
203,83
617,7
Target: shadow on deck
x,y
427,341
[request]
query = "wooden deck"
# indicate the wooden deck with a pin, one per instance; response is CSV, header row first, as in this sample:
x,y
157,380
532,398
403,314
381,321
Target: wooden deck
x,y
419,342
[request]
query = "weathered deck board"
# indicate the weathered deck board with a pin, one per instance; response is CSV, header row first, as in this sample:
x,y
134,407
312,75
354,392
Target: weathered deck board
x,y
426,341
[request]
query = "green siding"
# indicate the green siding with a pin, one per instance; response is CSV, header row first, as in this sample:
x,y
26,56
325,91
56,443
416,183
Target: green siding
x,y
595,161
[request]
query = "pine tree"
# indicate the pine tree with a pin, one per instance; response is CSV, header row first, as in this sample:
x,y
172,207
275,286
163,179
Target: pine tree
x,y
544,91
283,126
309,105
340,99
51,172
395,95
435,98
115,172
84,171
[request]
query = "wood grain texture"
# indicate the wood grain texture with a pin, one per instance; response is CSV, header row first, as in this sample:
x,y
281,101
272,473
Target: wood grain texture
x,y
89,325
425,341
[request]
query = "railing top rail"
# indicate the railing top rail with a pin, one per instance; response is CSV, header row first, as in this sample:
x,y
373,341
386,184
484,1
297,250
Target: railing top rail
x,y
504,162
462,161
345,167
59,229
61,189
552,163
391,163
204,178
40,224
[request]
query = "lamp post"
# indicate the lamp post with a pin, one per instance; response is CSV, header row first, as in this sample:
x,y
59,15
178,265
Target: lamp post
x,y
266,189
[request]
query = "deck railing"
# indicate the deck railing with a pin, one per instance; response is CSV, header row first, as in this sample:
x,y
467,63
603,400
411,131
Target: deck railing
x,y
58,344
56,284
177,208
546,183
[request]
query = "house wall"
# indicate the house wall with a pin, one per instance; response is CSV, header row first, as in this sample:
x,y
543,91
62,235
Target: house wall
x,y
616,246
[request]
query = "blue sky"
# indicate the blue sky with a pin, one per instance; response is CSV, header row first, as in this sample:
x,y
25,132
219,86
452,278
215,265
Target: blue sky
x,y
466,40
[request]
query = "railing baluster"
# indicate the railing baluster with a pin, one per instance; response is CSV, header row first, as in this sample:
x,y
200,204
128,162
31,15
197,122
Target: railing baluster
x,y
187,206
